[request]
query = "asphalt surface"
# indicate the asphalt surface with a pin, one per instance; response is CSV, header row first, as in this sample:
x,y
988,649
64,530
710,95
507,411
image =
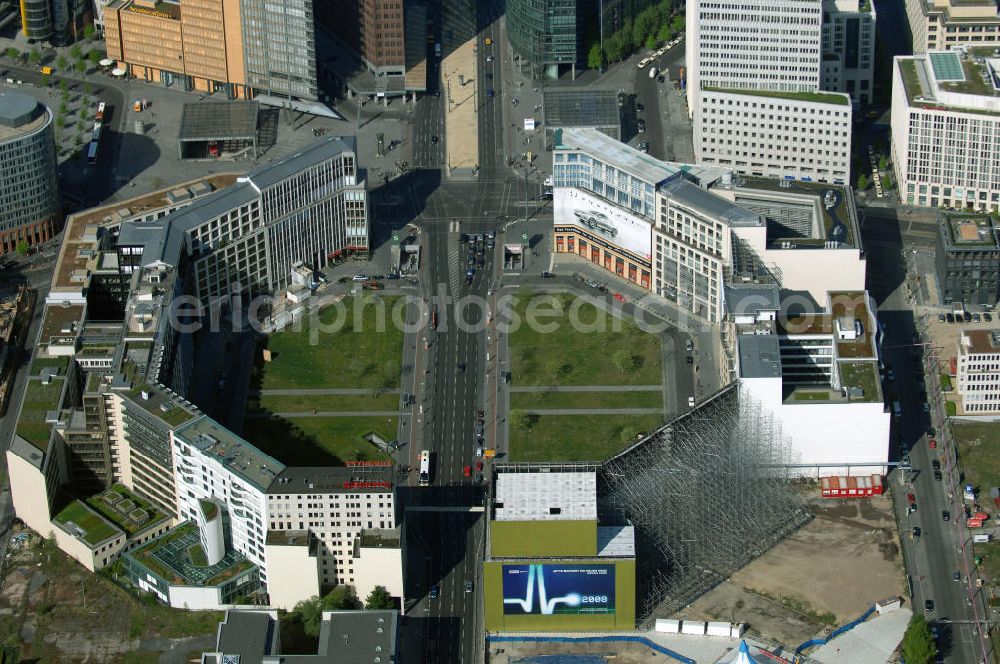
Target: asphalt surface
x,y
932,557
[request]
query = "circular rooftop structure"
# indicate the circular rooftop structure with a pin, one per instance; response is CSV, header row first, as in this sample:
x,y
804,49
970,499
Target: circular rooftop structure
x,y
17,109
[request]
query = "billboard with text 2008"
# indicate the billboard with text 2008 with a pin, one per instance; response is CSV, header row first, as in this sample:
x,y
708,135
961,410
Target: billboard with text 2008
x,y
558,589
603,220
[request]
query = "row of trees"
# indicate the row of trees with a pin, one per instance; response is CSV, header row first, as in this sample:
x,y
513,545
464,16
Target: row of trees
x,y
653,26
76,54
342,598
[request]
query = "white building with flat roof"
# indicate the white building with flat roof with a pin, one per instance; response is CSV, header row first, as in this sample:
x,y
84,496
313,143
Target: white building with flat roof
x,y
978,372
849,49
946,129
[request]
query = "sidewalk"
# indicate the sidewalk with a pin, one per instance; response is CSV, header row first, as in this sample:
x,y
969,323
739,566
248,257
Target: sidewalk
x,y
461,120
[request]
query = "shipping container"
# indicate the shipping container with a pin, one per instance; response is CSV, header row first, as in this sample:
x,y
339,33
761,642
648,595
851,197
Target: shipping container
x,y
851,487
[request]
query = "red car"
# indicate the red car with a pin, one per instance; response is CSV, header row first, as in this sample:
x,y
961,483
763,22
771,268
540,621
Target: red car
x,y
933,443
467,471
619,297
910,498
479,466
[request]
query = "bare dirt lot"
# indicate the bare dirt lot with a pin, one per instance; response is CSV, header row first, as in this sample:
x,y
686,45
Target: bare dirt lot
x,y
57,611
826,574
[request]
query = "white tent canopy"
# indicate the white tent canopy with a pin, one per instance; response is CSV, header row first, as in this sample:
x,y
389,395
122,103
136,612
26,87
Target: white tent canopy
x,y
742,656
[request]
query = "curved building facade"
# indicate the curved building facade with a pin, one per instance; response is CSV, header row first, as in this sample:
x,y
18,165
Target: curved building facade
x,y
36,19
29,194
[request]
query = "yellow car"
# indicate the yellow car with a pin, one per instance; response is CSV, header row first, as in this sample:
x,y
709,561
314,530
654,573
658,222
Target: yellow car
x,y
488,41
46,71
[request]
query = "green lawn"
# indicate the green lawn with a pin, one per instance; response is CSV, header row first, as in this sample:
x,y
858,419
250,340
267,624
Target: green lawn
x,y
98,505
979,458
578,437
197,555
328,404
566,356
95,528
39,363
543,400
38,400
361,354
318,441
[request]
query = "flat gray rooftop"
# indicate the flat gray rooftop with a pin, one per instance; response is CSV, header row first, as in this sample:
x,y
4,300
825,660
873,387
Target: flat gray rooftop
x,y
539,496
581,108
333,479
760,356
234,453
219,121
695,197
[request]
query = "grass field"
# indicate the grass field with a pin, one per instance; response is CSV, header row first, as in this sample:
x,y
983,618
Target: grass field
x,y
318,441
360,354
567,356
979,457
543,400
38,400
302,403
577,437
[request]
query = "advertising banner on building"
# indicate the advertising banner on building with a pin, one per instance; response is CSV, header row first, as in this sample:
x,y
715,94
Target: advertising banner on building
x,y
603,220
558,589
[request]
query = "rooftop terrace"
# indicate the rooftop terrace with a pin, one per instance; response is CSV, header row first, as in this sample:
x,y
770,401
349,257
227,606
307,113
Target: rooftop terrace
x,y
968,230
840,214
158,402
80,520
126,510
863,375
836,98
173,556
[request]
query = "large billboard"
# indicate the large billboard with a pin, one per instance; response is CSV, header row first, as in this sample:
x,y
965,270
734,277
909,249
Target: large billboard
x,y
603,220
558,589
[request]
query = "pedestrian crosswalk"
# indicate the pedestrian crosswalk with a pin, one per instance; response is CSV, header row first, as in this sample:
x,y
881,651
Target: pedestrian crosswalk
x,y
454,271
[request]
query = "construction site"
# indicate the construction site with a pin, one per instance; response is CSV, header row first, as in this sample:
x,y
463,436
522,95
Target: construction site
x,y
707,493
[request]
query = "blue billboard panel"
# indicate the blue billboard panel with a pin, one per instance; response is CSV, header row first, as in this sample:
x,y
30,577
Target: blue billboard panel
x,y
558,589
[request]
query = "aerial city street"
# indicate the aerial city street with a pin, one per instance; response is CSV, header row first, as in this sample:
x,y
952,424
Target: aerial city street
x,y
509,331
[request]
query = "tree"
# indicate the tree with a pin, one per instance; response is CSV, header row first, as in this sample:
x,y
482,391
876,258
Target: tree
x,y
863,182
13,53
89,32
918,644
22,248
379,598
62,62
886,182
94,57
521,419
310,613
559,368
80,66
614,47
883,163
625,361
341,598
75,52
595,57
35,56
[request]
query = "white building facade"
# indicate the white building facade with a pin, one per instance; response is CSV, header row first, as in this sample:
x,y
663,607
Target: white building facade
x,y
945,140
803,136
849,49
978,372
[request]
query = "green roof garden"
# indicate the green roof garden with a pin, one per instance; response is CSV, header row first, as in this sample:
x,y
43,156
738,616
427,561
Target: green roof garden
x,y
90,526
863,375
174,415
969,230
209,509
837,99
178,559
59,365
38,400
126,510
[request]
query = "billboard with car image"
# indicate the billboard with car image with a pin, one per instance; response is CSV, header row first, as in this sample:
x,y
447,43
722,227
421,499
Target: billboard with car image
x,y
603,221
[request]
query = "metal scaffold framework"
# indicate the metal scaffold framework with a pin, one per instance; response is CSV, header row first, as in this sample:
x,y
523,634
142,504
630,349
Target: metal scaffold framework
x,y
707,493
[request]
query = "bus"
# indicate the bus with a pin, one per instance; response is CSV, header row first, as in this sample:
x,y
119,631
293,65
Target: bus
x,y
425,468
100,111
92,152
434,318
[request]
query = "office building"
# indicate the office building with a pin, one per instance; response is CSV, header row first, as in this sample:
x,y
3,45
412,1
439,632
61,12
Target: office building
x,y
754,77
554,36
544,532
345,637
818,373
344,522
938,25
946,129
36,19
848,63
968,259
797,135
279,46
308,207
977,376
30,210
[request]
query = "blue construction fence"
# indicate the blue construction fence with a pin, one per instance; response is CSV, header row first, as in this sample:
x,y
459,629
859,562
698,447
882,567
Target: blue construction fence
x,y
837,632
593,639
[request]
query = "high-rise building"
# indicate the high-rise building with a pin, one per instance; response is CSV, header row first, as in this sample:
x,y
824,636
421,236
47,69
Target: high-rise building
x,y
936,25
978,371
30,210
968,259
36,19
849,49
946,129
279,45
754,75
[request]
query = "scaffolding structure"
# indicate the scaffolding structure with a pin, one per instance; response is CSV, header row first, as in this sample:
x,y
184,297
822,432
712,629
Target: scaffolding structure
x,y
707,493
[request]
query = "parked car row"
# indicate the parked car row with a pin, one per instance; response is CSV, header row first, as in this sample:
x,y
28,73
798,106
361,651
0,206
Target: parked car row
x,y
965,317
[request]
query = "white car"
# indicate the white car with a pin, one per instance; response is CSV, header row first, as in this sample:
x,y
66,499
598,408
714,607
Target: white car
x,y
597,221
360,277
690,402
